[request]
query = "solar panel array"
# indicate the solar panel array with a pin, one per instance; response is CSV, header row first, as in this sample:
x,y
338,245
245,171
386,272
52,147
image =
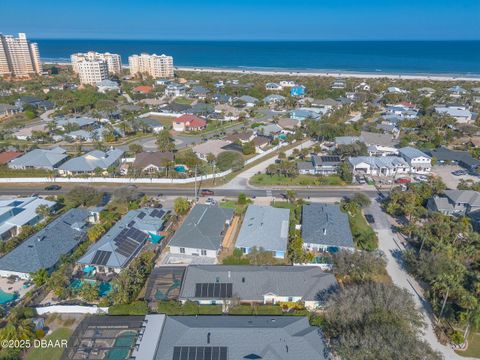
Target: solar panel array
x,y
157,213
200,353
128,241
141,215
213,290
101,257
330,158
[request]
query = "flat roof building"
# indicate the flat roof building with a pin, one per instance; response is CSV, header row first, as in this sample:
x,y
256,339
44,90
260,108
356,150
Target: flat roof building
x,y
18,57
157,66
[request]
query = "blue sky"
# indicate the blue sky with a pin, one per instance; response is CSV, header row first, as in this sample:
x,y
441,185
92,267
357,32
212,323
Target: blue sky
x,y
245,19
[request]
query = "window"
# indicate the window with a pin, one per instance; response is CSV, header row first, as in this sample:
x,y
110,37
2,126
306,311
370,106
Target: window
x,y
204,252
182,250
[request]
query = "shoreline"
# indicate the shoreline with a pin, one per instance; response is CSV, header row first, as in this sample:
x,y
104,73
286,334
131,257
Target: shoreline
x,y
311,72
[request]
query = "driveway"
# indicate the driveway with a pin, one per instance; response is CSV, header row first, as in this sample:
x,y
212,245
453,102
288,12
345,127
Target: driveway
x,y
391,246
452,181
241,181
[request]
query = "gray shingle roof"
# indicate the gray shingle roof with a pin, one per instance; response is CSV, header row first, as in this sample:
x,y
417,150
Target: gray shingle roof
x,y
44,249
464,197
264,227
251,283
246,337
40,158
146,223
326,224
203,228
412,153
92,160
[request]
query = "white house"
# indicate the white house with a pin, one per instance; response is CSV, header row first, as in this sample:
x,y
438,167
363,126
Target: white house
x,y
420,163
273,87
460,113
379,166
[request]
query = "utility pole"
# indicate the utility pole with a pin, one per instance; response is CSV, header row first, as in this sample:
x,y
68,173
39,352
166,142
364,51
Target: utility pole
x,y
195,186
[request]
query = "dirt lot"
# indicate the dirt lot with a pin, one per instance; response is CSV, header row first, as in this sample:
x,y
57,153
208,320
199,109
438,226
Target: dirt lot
x,y
445,172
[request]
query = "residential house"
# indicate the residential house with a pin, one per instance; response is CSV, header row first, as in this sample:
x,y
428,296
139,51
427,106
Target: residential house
x,y
326,104
91,162
34,102
339,84
463,158
273,99
8,110
249,101
107,85
455,202
288,124
114,251
302,114
154,125
28,132
189,122
261,143
379,166
269,130
175,90
460,113
320,165
396,90
420,163
7,156
48,159
18,212
242,137
80,122
202,231
426,91
297,91
228,112
202,109
45,248
457,91
266,228
363,86
144,89
388,127
199,92
273,87
229,337
325,228
256,284
152,161
287,83
222,98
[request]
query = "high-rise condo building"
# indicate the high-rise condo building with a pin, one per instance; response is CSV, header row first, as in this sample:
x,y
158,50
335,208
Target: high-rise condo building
x,y
92,71
114,61
18,57
157,66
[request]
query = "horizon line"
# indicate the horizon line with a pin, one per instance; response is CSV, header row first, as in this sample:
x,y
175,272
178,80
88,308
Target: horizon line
x,y
261,40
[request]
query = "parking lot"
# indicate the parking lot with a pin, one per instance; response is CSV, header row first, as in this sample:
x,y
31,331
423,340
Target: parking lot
x,y
452,181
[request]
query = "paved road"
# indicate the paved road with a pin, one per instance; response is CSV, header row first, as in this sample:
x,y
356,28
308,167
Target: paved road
x,y
390,244
154,190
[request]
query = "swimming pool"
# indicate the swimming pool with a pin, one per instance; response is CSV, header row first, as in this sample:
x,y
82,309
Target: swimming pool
x,y
7,297
180,168
103,289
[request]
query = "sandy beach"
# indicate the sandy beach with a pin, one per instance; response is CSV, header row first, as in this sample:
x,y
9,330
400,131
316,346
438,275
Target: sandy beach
x,y
332,74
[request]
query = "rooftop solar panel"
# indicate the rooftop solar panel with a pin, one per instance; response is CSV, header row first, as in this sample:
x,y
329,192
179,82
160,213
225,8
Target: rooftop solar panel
x,y
141,215
200,353
101,257
213,290
131,223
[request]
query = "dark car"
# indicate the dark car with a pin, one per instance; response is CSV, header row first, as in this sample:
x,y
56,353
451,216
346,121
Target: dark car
x,y
370,218
53,187
206,192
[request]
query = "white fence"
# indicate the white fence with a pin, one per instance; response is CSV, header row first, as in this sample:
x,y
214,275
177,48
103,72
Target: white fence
x,y
155,113
71,309
113,180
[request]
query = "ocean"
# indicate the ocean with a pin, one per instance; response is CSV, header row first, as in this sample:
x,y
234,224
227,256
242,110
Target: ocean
x,y
460,58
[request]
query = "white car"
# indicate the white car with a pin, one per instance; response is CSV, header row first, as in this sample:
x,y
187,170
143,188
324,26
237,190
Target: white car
x,y
421,178
210,201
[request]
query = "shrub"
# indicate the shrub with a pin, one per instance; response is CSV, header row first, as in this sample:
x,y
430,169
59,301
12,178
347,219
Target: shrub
x,y
135,308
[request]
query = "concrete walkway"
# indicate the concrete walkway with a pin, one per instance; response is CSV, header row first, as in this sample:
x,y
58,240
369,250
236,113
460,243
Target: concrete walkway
x,y
391,246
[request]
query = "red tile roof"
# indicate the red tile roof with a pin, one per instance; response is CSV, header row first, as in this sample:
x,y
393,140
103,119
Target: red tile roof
x,y
143,88
6,156
191,121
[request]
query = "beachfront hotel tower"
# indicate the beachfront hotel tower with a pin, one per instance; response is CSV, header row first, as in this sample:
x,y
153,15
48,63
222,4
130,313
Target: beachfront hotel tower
x,y
18,57
157,66
114,61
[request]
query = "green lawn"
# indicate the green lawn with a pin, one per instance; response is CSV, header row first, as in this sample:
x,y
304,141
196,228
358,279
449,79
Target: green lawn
x,y
299,180
473,346
232,204
50,353
363,235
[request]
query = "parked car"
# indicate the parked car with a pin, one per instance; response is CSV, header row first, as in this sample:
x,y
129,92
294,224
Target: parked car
x,y
53,187
403,180
370,218
210,201
459,173
421,178
206,192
